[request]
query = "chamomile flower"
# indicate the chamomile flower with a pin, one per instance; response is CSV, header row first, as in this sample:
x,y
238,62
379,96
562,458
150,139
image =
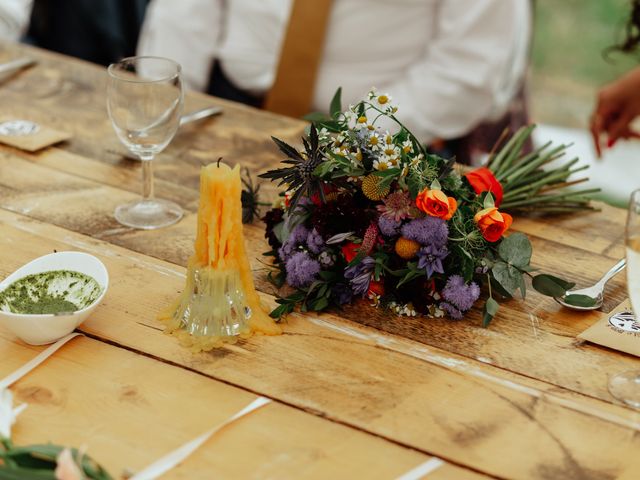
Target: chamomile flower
x,y
382,164
407,146
374,141
323,135
381,101
391,151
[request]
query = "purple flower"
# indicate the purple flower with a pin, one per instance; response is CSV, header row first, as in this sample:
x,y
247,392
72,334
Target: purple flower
x,y
297,237
341,293
430,258
388,226
427,231
359,275
302,270
315,242
459,294
452,311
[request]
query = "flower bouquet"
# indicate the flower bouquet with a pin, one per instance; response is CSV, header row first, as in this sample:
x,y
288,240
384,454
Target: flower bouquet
x,y
370,213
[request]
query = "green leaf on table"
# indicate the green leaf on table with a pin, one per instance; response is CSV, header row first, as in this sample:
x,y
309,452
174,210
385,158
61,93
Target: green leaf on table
x,y
490,309
516,250
580,300
550,285
335,108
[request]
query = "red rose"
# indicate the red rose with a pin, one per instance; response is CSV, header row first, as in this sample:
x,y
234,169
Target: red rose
x,y
483,180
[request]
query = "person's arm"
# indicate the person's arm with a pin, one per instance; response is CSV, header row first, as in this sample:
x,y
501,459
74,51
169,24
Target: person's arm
x,y
469,72
186,31
14,18
617,105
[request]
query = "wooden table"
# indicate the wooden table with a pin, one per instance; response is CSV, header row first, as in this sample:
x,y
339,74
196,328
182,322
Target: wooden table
x,y
358,394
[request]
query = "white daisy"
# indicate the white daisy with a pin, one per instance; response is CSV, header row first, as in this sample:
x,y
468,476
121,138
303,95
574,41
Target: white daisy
x,y
382,164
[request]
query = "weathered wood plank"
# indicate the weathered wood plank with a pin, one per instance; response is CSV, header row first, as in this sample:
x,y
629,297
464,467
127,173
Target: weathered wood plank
x,y
105,398
422,397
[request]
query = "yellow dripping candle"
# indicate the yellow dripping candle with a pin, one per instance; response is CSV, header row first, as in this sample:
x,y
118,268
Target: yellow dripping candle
x,y
220,288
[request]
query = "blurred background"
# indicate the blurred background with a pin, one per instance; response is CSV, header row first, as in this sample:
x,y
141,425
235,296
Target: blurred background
x,y
570,60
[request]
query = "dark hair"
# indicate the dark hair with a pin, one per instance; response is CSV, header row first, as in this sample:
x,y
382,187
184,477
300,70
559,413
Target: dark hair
x,y
632,34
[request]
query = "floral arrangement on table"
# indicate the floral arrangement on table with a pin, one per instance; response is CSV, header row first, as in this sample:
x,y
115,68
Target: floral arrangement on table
x,y
369,213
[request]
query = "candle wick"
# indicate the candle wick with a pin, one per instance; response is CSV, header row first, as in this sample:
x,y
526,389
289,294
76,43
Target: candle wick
x,y
220,158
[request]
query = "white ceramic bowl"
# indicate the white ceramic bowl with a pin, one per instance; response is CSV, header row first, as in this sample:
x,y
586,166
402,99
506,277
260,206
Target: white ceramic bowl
x,y
47,328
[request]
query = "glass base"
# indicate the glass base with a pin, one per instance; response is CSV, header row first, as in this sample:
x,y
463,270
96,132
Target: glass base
x,y
148,214
625,387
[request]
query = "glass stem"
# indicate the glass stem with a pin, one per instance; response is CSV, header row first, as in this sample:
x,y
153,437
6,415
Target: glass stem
x,y
147,178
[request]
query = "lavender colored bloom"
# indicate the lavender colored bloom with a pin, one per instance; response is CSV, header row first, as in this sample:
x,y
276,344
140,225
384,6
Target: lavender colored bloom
x,y
427,231
297,237
359,275
459,294
388,226
302,270
315,242
341,293
430,258
452,311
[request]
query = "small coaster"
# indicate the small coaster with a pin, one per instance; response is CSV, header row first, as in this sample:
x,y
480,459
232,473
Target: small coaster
x,y
618,330
28,135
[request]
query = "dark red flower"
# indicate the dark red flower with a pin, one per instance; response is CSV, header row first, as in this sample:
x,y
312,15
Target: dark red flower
x,y
483,180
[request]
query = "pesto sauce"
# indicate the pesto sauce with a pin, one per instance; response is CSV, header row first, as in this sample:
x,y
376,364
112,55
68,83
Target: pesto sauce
x,y
57,291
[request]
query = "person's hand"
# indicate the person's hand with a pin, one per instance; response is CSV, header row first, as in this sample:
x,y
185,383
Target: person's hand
x,y
618,103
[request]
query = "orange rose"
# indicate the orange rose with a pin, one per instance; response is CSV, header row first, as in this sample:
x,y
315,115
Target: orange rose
x,y
492,223
436,203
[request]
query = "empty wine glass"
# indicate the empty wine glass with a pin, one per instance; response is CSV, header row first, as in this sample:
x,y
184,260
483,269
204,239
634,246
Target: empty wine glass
x,y
625,386
144,100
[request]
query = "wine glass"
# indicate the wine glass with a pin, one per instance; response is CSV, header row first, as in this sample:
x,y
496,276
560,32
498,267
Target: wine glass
x,y
625,386
144,100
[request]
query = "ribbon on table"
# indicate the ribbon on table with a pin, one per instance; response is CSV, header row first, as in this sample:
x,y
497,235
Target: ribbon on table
x,y
423,469
37,360
8,413
172,459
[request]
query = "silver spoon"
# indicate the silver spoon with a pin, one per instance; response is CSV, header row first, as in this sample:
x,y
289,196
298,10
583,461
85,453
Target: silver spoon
x,y
595,292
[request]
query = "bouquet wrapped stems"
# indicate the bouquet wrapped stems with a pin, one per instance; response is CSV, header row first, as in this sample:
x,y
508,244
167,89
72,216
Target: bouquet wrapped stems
x,y
528,186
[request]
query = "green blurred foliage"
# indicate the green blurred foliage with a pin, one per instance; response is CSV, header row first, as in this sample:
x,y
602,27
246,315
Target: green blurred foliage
x,y
572,36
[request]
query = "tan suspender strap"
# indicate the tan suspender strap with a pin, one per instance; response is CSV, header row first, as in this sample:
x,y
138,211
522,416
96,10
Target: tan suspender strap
x,y
292,91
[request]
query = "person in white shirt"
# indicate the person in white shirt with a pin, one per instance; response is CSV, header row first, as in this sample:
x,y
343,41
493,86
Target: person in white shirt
x,y
449,64
14,18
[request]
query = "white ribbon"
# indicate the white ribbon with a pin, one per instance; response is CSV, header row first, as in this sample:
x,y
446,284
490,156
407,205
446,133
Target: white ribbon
x,y
37,360
423,469
172,459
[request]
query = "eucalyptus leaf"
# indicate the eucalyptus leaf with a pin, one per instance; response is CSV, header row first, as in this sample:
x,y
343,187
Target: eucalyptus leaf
x,y
550,285
580,300
507,276
491,307
516,250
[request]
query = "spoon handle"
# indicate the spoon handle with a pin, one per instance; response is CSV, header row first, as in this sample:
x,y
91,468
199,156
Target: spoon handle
x,y
200,114
617,268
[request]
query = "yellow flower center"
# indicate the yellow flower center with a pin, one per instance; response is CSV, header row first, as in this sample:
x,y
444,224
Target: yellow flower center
x,y
362,119
382,99
373,140
382,166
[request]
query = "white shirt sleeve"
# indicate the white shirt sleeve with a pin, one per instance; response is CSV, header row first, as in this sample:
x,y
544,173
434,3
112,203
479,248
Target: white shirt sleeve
x,y
14,18
186,31
469,72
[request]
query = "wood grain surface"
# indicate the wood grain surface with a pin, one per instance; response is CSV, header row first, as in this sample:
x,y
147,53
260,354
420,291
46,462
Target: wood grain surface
x,y
521,399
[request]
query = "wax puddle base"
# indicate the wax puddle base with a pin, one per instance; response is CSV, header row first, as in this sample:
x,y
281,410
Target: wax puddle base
x,y
52,292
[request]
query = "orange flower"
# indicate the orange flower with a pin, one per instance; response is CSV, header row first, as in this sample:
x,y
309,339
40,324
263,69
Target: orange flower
x,y
492,223
436,203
